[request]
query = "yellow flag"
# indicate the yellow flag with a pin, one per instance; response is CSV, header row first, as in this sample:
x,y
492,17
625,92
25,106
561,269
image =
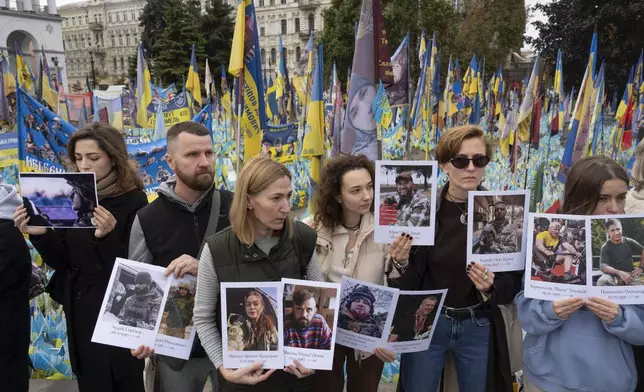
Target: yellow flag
x,y
237,50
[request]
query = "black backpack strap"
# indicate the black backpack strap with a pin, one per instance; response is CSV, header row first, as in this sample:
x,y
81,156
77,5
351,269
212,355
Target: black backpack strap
x,y
304,241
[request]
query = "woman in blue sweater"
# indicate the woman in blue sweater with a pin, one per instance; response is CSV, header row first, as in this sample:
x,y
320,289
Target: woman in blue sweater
x,y
583,344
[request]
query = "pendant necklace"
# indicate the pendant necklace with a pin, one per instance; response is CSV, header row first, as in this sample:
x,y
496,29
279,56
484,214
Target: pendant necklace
x,y
455,200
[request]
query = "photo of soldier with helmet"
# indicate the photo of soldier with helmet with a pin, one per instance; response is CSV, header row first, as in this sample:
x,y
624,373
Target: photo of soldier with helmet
x,y
177,314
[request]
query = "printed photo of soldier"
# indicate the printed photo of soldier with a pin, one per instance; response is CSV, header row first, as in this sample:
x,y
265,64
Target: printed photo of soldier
x,y
364,309
405,193
414,317
177,315
617,251
135,297
498,224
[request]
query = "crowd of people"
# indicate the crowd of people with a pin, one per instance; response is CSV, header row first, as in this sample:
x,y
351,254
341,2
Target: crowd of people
x,y
248,236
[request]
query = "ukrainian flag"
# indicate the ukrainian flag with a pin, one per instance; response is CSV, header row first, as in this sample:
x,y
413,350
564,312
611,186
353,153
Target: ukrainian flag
x,y
193,84
143,90
313,143
26,78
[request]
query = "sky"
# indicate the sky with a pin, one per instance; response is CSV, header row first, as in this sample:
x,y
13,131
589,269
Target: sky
x,y
530,31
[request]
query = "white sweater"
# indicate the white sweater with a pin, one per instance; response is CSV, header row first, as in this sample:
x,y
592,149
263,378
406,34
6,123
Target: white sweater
x,y
634,202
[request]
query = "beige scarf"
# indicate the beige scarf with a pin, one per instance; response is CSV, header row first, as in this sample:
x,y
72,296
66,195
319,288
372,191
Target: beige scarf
x,y
110,187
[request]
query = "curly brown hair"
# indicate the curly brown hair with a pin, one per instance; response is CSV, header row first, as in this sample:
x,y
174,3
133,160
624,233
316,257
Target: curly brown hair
x,y
328,211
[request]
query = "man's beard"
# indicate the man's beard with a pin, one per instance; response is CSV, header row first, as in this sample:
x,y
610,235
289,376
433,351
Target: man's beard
x,y
198,182
140,291
302,322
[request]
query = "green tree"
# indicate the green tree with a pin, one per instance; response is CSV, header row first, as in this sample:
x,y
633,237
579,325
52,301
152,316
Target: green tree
x,y
131,68
491,29
153,23
569,24
218,26
171,54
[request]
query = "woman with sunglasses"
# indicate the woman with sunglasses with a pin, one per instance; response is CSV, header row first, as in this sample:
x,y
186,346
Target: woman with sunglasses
x,y
470,326
578,344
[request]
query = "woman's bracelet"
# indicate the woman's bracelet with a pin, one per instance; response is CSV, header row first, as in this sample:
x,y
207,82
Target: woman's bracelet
x,y
401,268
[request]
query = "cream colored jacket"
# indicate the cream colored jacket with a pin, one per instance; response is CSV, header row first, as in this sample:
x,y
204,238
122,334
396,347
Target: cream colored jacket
x,y
634,202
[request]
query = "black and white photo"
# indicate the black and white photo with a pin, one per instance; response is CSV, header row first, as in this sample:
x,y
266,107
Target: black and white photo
x,y
405,200
131,314
59,200
557,263
253,321
366,312
496,222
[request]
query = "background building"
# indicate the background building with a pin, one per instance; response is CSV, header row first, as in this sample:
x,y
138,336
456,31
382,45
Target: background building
x,y
32,26
100,37
294,20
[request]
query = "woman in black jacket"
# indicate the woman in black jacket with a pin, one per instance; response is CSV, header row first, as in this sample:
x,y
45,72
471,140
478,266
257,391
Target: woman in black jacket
x,y
470,325
84,258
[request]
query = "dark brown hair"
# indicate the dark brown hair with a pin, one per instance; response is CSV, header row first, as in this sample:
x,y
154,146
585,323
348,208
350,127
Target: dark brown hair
x,y
302,295
328,211
585,181
191,127
111,142
450,142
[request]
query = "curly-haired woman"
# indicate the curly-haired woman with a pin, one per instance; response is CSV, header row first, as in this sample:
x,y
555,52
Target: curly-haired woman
x,y
346,247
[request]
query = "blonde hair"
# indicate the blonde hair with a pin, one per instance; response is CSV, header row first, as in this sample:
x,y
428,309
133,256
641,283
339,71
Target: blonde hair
x,y
450,142
256,175
638,168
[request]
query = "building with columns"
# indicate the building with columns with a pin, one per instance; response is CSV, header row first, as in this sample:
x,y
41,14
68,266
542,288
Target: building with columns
x,y
32,27
100,38
294,19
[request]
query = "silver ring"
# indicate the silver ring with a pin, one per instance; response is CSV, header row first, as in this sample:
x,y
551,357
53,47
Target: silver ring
x,y
486,271
485,276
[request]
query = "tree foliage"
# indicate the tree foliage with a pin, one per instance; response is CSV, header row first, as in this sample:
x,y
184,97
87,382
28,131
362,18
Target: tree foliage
x,y
491,29
569,25
171,59
171,27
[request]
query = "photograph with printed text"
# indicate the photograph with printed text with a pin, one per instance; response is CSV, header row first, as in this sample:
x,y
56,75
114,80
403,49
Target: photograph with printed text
x,y
364,309
62,200
405,194
135,297
414,317
617,251
251,319
309,315
498,224
558,251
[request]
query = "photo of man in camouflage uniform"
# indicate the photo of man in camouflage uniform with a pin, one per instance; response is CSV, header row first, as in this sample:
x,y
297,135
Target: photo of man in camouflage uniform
x,y
412,205
178,310
142,308
499,235
357,314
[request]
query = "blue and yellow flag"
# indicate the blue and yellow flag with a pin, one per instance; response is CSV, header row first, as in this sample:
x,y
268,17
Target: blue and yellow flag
x,y
143,90
42,136
193,84
381,110
313,143
254,114
559,115
527,106
26,78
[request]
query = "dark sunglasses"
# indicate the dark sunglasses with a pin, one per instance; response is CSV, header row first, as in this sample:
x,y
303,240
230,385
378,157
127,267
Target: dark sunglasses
x,y
461,161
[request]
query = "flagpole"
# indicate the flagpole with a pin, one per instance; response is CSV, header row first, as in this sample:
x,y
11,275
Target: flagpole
x,y
410,103
527,161
240,85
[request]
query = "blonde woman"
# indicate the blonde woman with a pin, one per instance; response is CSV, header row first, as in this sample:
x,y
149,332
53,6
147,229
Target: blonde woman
x,y
262,243
346,247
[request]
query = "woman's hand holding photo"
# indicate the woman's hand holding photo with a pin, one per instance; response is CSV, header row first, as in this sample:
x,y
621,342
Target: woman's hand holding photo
x,y
298,370
249,375
105,222
21,219
482,278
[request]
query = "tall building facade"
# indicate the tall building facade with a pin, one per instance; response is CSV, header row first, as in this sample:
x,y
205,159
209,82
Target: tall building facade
x,y
100,38
34,29
294,20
